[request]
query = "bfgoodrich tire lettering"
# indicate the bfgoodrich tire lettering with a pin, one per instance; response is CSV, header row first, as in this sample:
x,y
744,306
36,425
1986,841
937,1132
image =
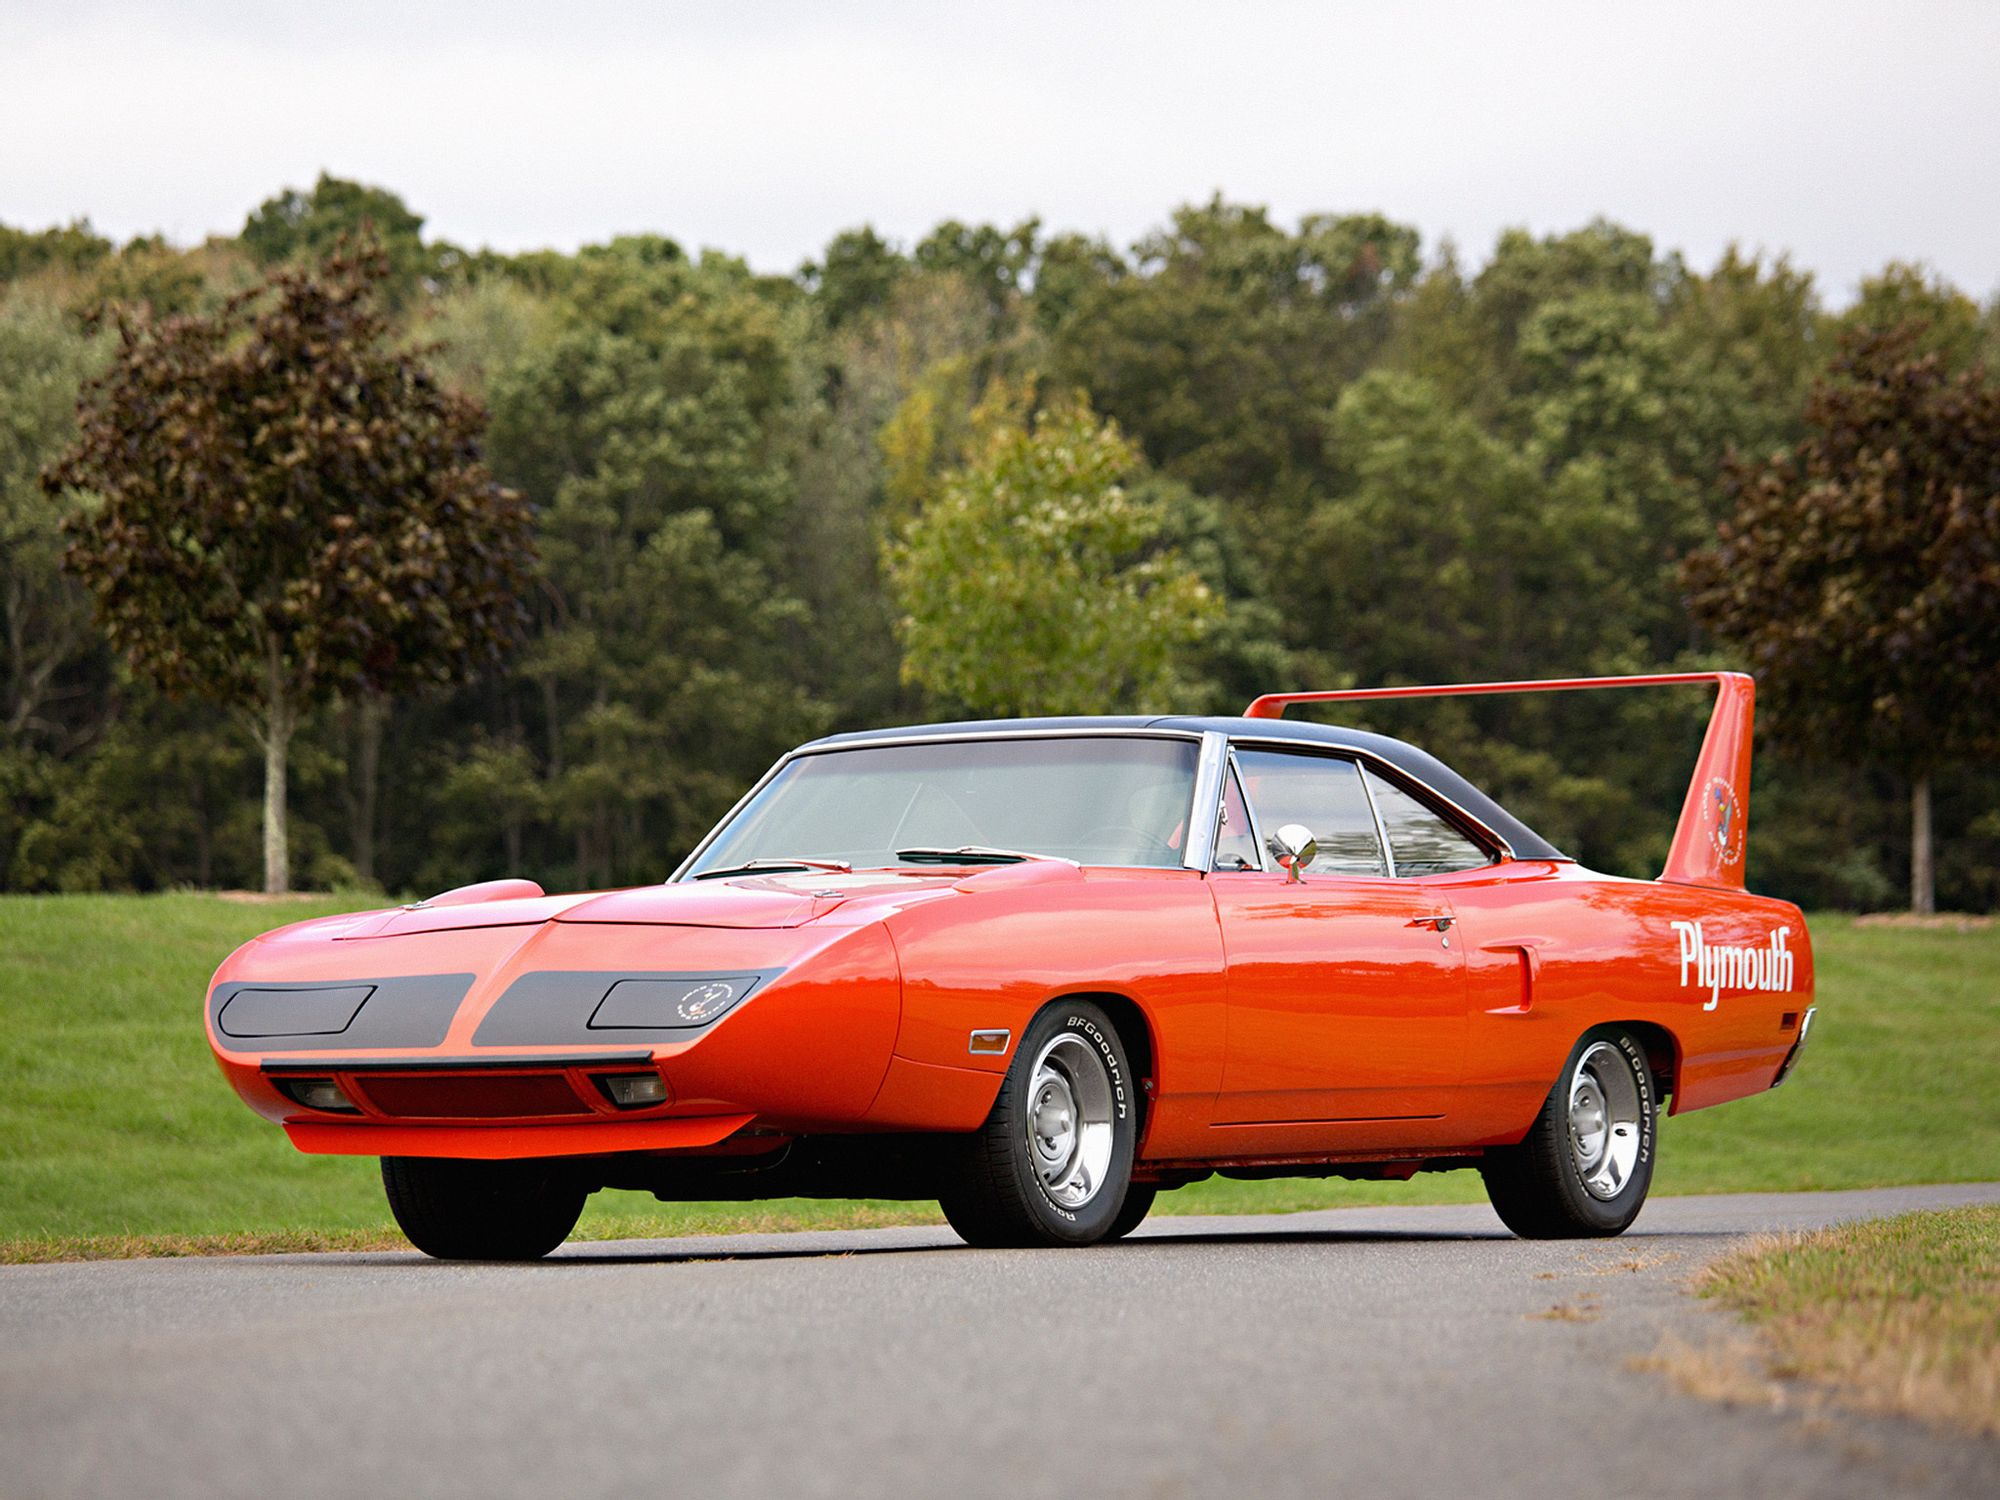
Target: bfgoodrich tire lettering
x,y
482,1210
1052,1163
1587,1162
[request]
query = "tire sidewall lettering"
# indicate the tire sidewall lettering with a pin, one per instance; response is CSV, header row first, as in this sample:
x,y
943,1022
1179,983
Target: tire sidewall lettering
x,y
1642,1079
1110,1054
1095,1034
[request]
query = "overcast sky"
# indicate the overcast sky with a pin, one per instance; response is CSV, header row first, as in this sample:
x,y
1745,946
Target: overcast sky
x,y
1843,132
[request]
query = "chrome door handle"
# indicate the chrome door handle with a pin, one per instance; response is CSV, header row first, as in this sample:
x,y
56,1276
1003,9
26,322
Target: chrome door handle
x,y
1437,921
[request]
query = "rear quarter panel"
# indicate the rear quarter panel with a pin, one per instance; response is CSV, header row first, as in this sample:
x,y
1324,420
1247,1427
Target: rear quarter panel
x,y
1553,950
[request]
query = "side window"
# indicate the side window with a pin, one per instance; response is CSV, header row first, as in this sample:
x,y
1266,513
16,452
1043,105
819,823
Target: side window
x,y
1323,793
1235,843
1423,843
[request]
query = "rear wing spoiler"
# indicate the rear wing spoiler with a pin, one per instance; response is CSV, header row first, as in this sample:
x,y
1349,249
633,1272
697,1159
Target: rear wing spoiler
x,y
1710,838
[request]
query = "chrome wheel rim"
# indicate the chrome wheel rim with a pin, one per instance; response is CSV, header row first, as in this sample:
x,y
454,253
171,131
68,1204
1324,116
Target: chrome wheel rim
x,y
1604,1118
1069,1120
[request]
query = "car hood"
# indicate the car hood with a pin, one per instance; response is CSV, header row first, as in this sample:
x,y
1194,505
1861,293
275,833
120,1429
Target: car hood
x,y
747,901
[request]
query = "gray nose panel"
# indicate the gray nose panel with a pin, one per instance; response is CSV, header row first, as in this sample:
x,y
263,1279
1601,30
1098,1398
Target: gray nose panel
x,y
558,1007
412,1010
293,1012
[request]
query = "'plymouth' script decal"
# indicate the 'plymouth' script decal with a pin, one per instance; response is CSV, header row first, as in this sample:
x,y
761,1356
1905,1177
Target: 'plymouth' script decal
x,y
1716,967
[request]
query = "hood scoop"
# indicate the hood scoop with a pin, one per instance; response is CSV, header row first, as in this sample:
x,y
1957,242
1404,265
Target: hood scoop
x,y
448,917
762,901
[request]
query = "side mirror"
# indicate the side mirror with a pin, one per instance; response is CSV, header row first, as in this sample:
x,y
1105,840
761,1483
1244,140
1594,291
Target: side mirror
x,y
1294,848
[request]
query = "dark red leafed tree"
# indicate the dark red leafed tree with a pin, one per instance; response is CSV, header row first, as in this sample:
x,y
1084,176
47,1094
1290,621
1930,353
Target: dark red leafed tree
x,y
1860,571
280,505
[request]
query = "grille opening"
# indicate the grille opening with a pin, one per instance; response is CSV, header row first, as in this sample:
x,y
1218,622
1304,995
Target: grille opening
x,y
464,1096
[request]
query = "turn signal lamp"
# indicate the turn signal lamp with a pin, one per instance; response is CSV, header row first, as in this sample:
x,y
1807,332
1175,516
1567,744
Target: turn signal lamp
x,y
319,1093
635,1090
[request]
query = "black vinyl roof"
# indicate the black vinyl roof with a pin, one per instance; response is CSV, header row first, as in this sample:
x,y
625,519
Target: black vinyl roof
x,y
1420,765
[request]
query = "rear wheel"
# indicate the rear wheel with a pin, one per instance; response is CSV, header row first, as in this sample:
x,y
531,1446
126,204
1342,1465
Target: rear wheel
x,y
1585,1166
1053,1162
482,1210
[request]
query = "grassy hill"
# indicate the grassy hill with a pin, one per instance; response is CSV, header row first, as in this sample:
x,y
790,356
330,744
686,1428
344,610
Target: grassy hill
x,y
114,1120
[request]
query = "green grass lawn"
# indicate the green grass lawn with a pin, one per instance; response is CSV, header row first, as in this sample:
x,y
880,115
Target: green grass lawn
x,y
115,1121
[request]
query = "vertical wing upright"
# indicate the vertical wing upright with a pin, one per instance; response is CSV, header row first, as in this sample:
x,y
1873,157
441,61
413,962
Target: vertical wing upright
x,y
1711,837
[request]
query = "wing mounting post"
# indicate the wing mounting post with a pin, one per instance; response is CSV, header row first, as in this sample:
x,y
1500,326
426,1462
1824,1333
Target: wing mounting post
x,y
1709,840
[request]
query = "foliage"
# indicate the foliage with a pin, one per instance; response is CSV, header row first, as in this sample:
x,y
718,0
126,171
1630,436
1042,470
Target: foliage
x,y
1223,353
858,274
1037,582
309,227
647,429
1382,461
282,508
45,358
73,246
1860,573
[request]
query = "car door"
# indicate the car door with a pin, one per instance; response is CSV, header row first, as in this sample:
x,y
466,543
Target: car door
x,y
1346,988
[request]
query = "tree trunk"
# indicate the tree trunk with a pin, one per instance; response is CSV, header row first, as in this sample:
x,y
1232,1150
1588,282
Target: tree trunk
x,y
1923,869
371,713
277,746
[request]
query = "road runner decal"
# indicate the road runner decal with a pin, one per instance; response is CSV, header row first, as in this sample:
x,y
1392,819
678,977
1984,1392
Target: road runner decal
x,y
1719,967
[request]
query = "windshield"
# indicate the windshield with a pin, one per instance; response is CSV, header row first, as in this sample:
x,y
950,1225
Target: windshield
x,y
1104,800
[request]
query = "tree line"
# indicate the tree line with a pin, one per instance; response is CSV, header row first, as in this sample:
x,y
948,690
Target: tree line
x,y
530,563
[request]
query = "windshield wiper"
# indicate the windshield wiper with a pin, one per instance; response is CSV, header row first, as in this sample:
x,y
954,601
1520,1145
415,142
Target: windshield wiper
x,y
965,854
778,866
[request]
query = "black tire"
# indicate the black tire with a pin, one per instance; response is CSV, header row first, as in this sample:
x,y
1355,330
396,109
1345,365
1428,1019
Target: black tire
x,y
482,1210
1006,1184
1132,1213
1554,1185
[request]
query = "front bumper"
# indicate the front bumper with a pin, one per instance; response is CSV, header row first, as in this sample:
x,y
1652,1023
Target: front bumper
x,y
498,1043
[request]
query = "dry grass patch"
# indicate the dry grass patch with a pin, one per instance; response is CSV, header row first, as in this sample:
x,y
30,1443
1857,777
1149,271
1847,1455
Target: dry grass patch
x,y
1583,1310
1728,1370
174,1246
1632,1265
1894,1315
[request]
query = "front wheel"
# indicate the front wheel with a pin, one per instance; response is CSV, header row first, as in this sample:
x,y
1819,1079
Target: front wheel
x,y
1586,1163
1053,1162
1138,1203
482,1210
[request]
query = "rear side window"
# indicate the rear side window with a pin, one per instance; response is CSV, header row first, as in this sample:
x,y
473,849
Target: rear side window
x,y
1422,842
1323,793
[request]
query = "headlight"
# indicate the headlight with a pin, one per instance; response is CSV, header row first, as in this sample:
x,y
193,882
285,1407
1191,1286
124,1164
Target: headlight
x,y
668,1004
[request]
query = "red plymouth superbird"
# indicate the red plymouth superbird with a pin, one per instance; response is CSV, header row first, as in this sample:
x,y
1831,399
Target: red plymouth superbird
x,y
1042,970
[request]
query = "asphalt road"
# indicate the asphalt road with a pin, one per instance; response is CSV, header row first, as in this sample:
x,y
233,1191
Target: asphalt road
x,y
1362,1352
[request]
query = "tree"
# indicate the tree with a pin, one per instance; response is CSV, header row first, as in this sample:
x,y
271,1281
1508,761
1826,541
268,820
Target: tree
x,y
75,246
306,228
279,506
44,617
859,273
1861,570
1223,349
1037,582
650,427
